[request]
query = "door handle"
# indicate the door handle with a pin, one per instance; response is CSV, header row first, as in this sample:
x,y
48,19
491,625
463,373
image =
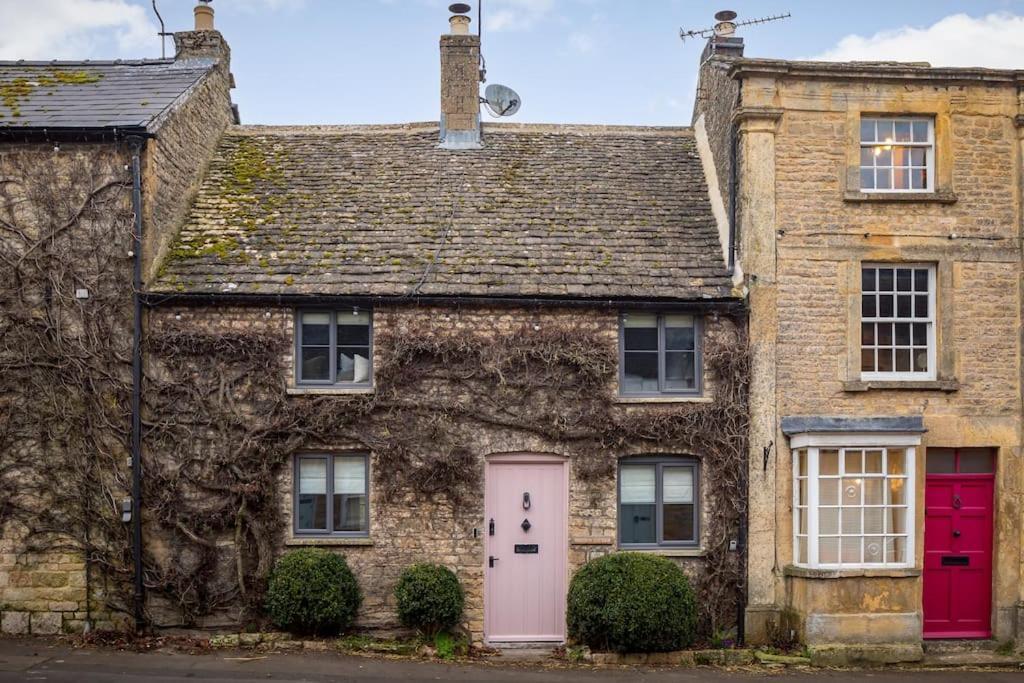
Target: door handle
x,y
491,560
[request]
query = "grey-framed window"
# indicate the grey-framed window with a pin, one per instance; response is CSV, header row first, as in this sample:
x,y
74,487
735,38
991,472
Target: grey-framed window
x,y
334,348
659,353
659,502
332,494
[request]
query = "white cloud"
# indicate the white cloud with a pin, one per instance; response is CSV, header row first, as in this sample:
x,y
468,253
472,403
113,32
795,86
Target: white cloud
x,y
262,5
993,41
65,29
515,15
582,42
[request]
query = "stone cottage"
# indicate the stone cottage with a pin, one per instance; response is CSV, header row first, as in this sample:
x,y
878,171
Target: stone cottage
x,y
503,348
877,218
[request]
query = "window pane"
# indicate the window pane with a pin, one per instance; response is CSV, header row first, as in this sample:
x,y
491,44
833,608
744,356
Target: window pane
x,y
885,131
679,333
868,306
920,131
867,360
352,331
920,280
921,306
637,523
897,492
349,513
312,493
350,474
873,462
884,334
885,363
873,548
677,522
896,520
828,462
903,131
920,337
850,520
903,360
316,329
896,549
828,491
867,156
677,485
874,492
853,462
801,552
636,484
885,305
867,279
867,179
900,179
874,520
883,179
940,461
680,373
828,550
885,279
919,179
640,331
903,280
918,156
896,458
851,550
801,467
354,364
316,364
640,372
828,520
852,491
867,130
920,360
867,334
976,461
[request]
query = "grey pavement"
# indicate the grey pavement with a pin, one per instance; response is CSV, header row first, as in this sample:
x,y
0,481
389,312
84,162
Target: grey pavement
x,y
30,660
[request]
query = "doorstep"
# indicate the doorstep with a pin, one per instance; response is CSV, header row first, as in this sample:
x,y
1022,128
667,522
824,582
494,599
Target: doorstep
x,y
973,652
525,651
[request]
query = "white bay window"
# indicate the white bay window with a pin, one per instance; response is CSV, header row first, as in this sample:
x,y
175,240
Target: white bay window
x,y
853,500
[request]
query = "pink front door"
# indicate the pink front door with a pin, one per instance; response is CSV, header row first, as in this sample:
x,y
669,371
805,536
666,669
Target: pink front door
x,y
958,544
526,548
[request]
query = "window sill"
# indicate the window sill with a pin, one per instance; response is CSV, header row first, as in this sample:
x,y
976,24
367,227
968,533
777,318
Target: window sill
x,y
666,552
946,385
808,573
939,197
329,541
592,540
335,391
663,399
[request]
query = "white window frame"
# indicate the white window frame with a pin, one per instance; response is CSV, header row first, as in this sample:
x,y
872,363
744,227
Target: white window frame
x,y
931,323
928,146
813,444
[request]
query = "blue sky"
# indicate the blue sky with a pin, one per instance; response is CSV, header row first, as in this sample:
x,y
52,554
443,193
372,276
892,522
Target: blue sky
x,y
590,61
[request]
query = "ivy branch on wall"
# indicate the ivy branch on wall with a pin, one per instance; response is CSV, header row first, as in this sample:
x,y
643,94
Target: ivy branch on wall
x,y
234,430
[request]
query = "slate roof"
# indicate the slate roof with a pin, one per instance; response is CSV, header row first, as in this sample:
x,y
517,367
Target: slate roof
x,y
577,211
92,94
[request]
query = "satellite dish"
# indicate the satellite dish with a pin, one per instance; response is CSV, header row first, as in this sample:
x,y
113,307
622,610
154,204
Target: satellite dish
x,y
502,100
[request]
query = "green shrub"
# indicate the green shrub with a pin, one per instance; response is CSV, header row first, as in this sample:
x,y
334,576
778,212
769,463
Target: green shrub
x,y
632,602
429,598
312,591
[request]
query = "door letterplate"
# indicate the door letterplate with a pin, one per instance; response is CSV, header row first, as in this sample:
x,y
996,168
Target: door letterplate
x,y
956,561
527,548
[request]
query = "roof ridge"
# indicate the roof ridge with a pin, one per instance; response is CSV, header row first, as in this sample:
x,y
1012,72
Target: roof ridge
x,y
428,126
84,62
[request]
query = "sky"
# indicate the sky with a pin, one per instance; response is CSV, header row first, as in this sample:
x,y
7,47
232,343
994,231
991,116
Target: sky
x,y
572,61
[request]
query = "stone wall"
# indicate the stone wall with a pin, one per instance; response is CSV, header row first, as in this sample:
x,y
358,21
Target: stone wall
x,y
410,529
46,586
810,252
176,159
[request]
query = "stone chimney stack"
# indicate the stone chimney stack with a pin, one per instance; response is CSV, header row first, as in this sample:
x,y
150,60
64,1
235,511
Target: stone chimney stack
x,y
460,84
724,42
204,42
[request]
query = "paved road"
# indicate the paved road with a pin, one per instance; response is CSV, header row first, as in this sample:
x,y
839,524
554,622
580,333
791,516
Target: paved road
x,y
36,661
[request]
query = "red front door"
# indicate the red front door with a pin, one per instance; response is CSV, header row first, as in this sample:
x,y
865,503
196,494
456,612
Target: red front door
x,y
958,543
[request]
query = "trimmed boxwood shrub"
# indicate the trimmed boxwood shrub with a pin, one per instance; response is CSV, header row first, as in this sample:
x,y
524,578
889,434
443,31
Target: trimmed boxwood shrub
x,y
312,591
632,602
429,598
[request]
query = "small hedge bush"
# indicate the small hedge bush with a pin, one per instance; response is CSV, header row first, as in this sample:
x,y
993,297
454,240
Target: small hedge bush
x,y
429,598
632,602
312,591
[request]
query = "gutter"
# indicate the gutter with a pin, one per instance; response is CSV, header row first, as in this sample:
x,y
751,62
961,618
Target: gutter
x,y
137,144
157,299
72,134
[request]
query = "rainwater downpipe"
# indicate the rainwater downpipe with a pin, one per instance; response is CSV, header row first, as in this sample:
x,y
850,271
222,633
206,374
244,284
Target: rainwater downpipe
x,y
136,145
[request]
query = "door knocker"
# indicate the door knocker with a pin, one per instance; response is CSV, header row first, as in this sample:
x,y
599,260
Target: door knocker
x,y
526,500
957,504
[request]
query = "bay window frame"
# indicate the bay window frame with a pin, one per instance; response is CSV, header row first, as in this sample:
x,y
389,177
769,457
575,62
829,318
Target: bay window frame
x,y
814,443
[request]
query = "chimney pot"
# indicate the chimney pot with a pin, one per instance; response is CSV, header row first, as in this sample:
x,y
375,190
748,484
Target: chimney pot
x,y
204,17
460,25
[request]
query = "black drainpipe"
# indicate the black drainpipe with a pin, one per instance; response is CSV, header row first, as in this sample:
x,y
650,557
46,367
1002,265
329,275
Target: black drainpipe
x,y
136,145
732,197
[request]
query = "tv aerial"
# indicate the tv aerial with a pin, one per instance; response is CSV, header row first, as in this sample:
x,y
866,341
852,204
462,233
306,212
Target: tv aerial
x,y
501,100
727,25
